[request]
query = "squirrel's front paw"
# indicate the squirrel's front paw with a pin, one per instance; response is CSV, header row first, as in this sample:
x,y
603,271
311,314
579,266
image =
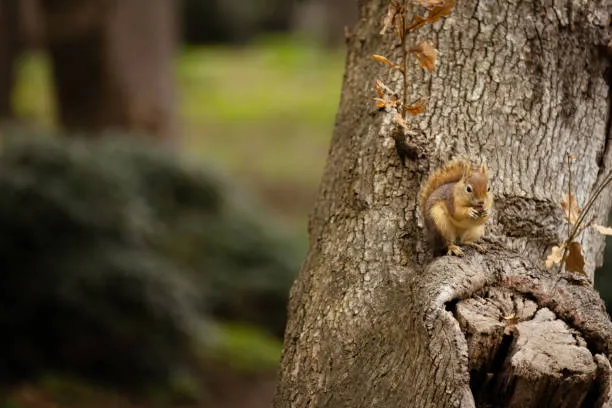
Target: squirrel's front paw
x,y
473,213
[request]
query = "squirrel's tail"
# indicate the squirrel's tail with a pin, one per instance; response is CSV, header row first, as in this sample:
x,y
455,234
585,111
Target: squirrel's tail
x,y
449,173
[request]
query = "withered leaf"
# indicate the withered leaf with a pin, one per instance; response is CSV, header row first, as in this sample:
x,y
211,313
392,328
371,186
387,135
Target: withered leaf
x,y
436,12
570,207
387,102
416,23
391,16
440,11
602,229
384,60
386,97
416,108
382,89
428,4
378,85
427,54
555,256
574,262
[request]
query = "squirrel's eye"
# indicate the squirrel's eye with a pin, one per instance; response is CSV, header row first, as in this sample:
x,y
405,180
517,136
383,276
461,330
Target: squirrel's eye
x,y
489,188
468,188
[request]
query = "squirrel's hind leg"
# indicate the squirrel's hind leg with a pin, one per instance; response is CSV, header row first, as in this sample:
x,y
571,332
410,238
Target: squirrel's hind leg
x,y
439,216
471,236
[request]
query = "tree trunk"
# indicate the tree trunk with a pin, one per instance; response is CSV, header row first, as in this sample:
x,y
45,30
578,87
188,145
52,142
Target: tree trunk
x,y
9,49
326,20
113,63
374,321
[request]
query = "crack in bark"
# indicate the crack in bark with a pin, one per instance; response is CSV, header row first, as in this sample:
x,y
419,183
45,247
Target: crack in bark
x,y
608,127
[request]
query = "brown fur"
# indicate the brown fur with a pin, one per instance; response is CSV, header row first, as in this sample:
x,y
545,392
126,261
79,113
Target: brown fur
x,y
451,172
446,204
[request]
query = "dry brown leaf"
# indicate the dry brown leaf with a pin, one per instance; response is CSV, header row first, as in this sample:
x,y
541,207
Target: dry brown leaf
x,y
602,229
386,97
555,256
388,20
386,102
416,23
382,89
384,60
400,121
416,108
435,13
440,11
379,86
391,16
427,54
428,4
570,206
574,262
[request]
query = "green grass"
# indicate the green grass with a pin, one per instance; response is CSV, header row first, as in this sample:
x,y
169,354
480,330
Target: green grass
x,y
32,97
244,348
263,113
266,110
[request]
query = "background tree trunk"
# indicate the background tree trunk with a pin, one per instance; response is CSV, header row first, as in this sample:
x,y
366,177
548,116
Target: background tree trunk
x,y
373,322
113,63
326,19
9,49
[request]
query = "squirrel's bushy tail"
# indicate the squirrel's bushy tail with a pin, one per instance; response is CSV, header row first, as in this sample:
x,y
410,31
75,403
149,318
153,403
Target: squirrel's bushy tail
x,y
451,172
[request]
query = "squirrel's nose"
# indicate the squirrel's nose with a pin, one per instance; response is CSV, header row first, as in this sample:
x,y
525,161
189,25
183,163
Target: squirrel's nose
x,y
480,202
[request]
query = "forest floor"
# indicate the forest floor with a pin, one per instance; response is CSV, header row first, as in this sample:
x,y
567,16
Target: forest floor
x,y
229,390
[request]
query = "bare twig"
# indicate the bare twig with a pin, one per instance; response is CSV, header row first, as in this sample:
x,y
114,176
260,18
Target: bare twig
x,y
405,60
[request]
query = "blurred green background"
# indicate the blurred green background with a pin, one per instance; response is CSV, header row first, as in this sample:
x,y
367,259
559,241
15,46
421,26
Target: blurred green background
x,y
263,113
150,238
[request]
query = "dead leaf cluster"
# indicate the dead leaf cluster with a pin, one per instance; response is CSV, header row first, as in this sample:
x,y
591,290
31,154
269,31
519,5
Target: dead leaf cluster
x,y
437,10
424,53
569,253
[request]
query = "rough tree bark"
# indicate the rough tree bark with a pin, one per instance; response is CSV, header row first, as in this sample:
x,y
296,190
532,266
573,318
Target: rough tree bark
x,y
374,321
112,63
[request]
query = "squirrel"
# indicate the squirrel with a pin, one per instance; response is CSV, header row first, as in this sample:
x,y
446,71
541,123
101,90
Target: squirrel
x,y
455,202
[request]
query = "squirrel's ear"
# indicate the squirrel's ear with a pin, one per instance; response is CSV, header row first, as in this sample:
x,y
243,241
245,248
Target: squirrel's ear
x,y
483,169
467,171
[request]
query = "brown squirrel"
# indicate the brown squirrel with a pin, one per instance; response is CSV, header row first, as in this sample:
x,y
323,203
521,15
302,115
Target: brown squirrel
x,y
455,202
